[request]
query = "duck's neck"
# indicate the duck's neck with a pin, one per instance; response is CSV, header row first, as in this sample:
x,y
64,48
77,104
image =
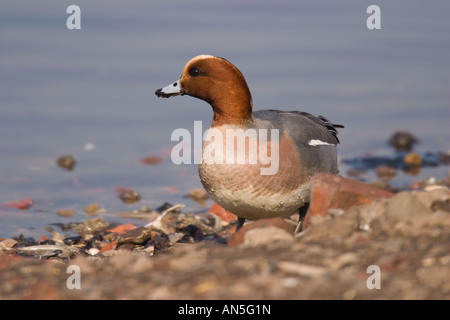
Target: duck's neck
x,y
234,109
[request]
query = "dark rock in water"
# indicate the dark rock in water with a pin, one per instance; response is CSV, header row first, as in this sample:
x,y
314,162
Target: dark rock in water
x,y
402,141
66,162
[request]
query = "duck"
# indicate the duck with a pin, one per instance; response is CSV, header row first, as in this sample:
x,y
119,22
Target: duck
x,y
255,164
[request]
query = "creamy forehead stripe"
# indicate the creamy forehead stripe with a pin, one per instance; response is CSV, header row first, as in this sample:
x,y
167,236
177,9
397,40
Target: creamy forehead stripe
x,y
316,142
202,56
172,88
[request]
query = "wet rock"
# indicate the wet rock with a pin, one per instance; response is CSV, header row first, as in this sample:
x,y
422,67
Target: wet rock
x,y
269,228
331,191
66,162
198,195
403,141
66,213
129,196
91,227
136,236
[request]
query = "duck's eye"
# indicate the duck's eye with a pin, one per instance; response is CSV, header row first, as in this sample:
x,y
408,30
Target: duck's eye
x,y
194,72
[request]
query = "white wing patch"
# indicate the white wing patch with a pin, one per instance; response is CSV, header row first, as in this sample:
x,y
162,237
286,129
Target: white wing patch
x,y
316,142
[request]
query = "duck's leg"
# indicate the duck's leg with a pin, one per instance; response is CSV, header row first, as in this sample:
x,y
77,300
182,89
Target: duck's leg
x,y
239,223
302,213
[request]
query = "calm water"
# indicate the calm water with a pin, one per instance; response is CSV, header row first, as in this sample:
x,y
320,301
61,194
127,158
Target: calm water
x,y
90,92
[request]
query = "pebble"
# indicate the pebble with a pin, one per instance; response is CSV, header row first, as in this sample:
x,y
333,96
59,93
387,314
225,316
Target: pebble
x,y
198,195
150,160
92,209
66,213
93,251
175,237
145,208
66,162
412,159
129,196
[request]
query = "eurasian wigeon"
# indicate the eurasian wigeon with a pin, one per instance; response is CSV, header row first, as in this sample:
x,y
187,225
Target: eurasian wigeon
x,y
300,145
